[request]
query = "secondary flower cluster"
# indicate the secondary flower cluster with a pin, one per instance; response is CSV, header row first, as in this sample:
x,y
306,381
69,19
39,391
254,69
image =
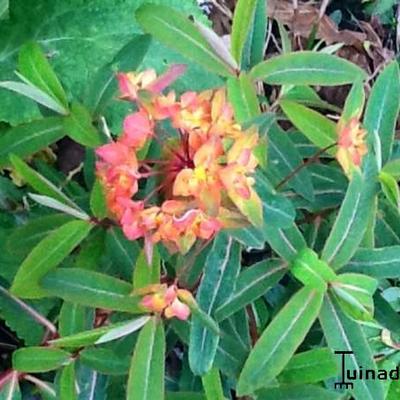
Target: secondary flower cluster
x,y
166,300
204,173
351,145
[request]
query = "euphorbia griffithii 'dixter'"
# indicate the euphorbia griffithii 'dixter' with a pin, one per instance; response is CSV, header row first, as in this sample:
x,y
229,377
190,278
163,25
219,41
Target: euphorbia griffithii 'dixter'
x,y
204,172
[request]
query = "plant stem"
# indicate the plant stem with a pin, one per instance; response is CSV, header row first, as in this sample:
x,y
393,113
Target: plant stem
x,y
301,166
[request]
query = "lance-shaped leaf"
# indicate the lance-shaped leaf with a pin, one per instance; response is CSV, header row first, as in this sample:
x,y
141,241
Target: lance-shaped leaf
x,y
145,274
146,375
311,271
78,126
176,31
298,392
34,66
280,340
354,293
385,314
352,220
24,140
344,334
241,26
383,109
105,361
243,97
39,359
74,318
392,167
378,263
98,204
319,130
34,93
252,283
39,182
307,68
310,366
67,383
355,101
10,388
212,385
89,337
27,236
286,242
218,282
90,288
390,188
103,86
46,256
256,38
59,206
284,158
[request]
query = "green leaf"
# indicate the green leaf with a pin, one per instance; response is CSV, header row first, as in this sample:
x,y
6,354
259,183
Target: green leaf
x,y
351,222
311,271
98,204
145,274
243,97
39,182
32,92
89,337
185,396
307,68
280,340
174,30
251,284
241,25
39,359
284,158
16,316
220,272
57,205
378,263
392,167
298,392
383,109
212,385
78,126
344,334
286,242
23,238
24,140
91,289
103,85
74,318
310,366
146,375
105,361
258,33
34,66
123,252
355,101
10,389
390,188
319,130
46,256
354,293
385,314
123,330
67,383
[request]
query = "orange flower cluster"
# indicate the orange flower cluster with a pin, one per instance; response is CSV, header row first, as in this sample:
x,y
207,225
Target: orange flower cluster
x,y
351,145
166,300
205,170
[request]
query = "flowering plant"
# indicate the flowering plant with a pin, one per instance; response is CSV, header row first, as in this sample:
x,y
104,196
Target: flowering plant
x,y
205,171
223,227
